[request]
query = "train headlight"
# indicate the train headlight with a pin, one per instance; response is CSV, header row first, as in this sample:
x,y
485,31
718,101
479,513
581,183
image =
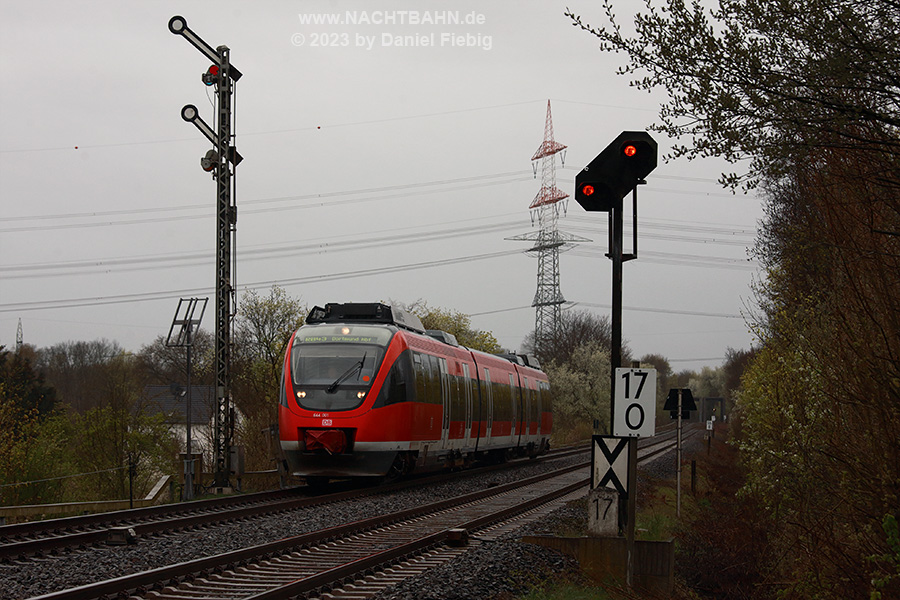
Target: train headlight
x,y
345,331
301,394
360,395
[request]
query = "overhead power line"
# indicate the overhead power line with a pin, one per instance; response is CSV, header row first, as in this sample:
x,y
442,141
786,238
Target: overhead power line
x,y
730,235
316,127
166,294
668,311
407,190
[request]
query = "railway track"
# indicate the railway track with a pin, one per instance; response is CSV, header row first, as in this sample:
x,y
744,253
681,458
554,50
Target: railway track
x,y
373,553
46,538
43,538
332,557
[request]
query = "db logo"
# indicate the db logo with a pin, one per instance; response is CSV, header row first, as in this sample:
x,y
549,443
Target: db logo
x,y
326,422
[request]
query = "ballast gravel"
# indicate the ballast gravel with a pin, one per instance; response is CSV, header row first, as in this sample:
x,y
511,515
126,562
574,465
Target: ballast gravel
x,y
42,576
489,570
509,568
499,570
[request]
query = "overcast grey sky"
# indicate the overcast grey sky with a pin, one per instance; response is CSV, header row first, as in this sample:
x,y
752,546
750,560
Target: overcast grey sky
x,y
372,171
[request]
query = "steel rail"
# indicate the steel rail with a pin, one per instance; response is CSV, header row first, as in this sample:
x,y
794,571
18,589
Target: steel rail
x,y
156,578
174,574
107,519
347,573
206,512
197,513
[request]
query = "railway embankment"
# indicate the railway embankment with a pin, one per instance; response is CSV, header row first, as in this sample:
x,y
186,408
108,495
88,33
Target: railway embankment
x,y
510,568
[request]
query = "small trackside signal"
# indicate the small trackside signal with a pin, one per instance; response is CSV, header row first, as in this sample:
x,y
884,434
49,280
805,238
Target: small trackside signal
x,y
210,161
211,76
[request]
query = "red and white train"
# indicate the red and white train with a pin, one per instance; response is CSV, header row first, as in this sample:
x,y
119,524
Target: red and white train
x,y
367,392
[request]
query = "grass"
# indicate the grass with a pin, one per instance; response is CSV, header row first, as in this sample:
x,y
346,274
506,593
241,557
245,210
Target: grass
x,y
656,521
656,513
565,591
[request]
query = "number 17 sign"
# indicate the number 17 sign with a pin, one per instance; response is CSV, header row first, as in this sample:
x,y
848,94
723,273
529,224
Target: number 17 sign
x,y
634,403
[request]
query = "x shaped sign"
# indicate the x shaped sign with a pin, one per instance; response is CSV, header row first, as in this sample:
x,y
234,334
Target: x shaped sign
x,y
609,463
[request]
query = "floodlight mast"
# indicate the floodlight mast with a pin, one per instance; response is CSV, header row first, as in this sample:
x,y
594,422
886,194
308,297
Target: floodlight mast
x,y
186,321
225,160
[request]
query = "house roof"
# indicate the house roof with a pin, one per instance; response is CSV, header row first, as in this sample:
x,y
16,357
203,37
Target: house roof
x,y
160,399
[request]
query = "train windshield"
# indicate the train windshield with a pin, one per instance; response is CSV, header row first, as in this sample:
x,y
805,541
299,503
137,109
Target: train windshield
x,y
333,366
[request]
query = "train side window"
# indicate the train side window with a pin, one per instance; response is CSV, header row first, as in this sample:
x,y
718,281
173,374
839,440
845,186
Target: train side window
x,y
526,392
548,396
421,376
430,380
500,404
398,386
457,401
434,380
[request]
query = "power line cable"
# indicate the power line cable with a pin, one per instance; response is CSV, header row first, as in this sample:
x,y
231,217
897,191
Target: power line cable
x,y
320,197
167,294
276,131
328,244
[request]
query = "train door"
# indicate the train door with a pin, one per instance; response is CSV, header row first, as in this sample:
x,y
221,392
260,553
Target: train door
x,y
445,401
519,403
512,402
467,386
526,392
540,406
490,405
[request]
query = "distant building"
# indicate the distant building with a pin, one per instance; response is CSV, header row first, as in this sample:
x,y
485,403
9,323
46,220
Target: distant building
x,y
163,399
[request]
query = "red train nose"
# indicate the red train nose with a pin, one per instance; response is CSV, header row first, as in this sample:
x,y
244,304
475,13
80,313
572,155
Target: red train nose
x,y
333,441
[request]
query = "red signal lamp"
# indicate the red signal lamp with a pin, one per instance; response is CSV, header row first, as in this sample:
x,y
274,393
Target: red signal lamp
x,y
616,171
211,75
209,161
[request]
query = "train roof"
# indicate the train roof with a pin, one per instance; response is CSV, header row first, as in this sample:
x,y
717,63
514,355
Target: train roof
x,y
365,312
384,314
526,360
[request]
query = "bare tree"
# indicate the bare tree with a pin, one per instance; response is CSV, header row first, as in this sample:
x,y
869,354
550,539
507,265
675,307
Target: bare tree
x,y
575,329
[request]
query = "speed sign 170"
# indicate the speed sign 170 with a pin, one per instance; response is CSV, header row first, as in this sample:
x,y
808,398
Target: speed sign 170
x,y
634,403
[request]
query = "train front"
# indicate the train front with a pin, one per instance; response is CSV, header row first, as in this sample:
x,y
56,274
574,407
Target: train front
x,y
332,377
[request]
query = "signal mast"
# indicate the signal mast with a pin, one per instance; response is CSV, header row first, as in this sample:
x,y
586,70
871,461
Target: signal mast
x,y
220,161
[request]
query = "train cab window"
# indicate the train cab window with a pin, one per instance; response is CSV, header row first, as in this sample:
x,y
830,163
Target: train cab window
x,y
333,367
